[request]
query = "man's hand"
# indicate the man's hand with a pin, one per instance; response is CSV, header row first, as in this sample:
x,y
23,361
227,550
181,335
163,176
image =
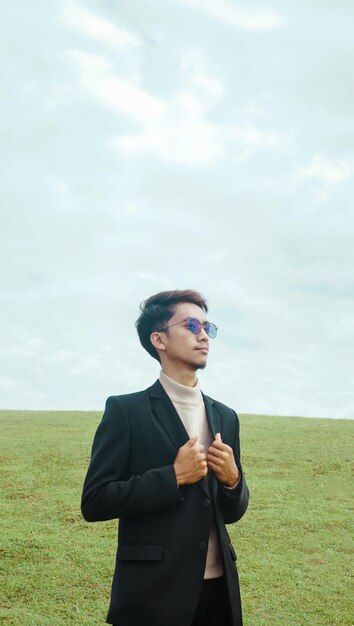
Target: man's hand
x,y
190,463
221,460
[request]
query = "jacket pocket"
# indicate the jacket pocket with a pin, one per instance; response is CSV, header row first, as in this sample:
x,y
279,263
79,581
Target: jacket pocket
x,y
232,552
140,552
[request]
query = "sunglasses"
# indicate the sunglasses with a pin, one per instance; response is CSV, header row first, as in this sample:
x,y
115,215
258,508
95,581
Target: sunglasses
x,y
195,326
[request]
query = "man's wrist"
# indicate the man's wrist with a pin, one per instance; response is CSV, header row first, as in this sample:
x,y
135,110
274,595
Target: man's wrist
x,y
236,483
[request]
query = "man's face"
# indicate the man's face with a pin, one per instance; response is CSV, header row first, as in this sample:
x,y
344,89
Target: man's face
x,y
182,346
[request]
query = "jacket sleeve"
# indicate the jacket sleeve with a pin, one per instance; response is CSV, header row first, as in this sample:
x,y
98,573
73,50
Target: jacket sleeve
x,y
234,502
108,491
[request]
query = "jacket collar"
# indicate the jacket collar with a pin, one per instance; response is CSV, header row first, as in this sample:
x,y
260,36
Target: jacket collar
x,y
179,433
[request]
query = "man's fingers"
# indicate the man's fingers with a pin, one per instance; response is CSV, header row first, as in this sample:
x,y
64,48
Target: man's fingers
x,y
220,445
198,447
193,443
217,445
217,460
218,454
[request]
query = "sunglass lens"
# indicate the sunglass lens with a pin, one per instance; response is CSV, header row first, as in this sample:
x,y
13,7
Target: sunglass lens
x,y
211,329
195,326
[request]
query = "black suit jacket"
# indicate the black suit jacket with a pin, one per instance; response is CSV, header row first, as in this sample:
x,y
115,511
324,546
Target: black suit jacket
x,y
163,528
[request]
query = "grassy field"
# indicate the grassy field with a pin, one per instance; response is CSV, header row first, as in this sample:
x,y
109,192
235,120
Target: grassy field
x,y
293,544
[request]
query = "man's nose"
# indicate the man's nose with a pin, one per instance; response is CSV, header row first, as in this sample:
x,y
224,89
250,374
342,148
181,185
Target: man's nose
x,y
203,334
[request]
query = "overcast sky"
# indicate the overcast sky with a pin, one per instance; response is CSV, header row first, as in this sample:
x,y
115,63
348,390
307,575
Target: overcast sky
x,y
162,144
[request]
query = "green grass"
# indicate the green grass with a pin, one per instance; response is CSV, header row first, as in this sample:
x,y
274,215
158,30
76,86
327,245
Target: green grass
x,y
293,544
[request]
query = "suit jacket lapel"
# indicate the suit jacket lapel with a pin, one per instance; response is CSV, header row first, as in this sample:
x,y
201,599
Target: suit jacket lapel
x,y
167,415
212,415
171,422
215,427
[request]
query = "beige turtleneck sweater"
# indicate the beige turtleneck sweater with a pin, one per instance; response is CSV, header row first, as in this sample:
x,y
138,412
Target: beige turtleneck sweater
x,y
189,404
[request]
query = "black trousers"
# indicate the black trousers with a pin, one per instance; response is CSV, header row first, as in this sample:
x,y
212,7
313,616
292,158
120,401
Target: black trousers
x,y
213,606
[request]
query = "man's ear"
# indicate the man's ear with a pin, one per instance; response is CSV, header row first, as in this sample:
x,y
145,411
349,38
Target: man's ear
x,y
157,340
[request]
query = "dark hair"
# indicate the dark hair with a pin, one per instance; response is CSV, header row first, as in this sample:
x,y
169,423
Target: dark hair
x,y
157,310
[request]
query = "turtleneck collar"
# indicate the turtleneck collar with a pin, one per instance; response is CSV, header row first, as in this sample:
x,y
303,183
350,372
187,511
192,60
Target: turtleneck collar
x,y
182,394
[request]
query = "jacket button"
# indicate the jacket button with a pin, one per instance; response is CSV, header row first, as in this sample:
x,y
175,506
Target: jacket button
x,y
201,545
206,502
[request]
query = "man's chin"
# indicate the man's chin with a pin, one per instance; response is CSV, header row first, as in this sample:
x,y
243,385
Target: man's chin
x,y
199,366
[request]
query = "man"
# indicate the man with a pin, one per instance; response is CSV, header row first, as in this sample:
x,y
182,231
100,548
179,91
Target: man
x,y
166,462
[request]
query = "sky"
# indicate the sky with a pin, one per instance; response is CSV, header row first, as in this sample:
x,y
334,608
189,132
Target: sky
x,y
175,144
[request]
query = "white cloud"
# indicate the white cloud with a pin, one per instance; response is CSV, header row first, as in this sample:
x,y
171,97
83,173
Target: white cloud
x,y
58,96
194,141
65,355
30,348
174,139
32,395
249,139
151,277
99,28
176,130
328,171
199,77
8,383
117,93
246,18
56,183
